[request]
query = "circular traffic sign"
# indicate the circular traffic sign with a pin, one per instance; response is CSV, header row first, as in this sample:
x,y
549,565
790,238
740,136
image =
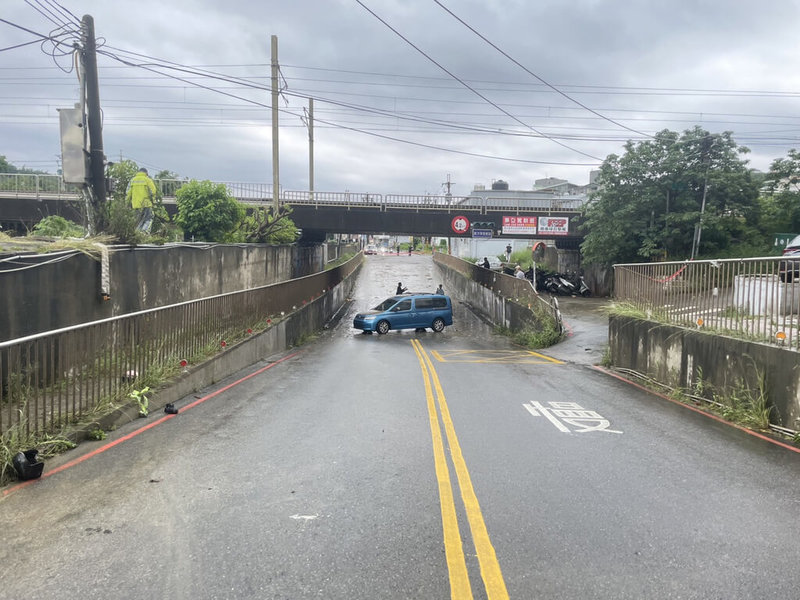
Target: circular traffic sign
x,y
460,224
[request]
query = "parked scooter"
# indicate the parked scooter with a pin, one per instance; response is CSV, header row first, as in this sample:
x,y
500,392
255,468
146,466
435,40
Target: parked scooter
x,y
580,285
561,284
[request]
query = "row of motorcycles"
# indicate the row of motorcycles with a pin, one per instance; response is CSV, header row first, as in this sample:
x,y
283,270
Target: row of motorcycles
x,y
558,284
564,284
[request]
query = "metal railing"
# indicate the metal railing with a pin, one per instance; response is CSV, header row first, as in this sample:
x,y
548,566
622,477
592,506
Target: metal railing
x,y
752,298
26,185
53,378
16,185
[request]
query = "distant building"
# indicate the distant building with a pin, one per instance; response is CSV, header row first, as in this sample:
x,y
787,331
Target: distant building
x,y
547,194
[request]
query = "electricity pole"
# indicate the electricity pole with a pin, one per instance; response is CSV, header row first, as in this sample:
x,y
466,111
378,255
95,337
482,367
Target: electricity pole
x,y
275,93
311,147
448,184
97,177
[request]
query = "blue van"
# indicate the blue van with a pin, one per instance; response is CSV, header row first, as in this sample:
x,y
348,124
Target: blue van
x,y
408,311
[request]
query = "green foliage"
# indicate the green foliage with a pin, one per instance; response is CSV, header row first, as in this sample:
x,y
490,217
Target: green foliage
x,y
267,227
781,199
7,167
96,434
56,226
534,340
122,220
121,217
141,400
650,199
523,258
206,211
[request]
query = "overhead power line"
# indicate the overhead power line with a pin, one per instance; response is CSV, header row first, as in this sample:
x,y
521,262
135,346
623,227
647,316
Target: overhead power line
x,y
532,74
466,85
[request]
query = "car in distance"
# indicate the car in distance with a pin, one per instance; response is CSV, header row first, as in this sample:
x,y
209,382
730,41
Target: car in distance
x,y
371,249
789,269
407,311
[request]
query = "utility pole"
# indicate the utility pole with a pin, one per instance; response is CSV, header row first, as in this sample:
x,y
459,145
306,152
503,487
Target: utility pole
x,y
448,184
311,147
275,148
97,177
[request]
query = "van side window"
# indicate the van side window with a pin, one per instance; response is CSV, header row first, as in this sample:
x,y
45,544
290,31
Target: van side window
x,y
401,306
424,303
438,302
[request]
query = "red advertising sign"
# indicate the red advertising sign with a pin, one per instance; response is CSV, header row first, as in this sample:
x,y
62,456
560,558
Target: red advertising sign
x,y
554,225
460,224
519,225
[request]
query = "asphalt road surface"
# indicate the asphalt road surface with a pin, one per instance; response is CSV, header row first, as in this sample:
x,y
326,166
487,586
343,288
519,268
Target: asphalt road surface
x,y
414,465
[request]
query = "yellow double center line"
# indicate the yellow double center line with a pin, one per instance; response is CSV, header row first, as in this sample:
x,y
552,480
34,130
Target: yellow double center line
x,y
460,588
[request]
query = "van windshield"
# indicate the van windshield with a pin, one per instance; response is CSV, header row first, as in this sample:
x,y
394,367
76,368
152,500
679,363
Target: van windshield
x,y
386,304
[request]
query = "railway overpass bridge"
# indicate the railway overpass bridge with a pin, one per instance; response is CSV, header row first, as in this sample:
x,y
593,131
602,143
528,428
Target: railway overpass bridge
x,y
26,199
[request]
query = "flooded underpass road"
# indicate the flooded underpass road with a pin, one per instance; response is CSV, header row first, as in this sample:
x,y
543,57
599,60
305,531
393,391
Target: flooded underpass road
x,y
415,465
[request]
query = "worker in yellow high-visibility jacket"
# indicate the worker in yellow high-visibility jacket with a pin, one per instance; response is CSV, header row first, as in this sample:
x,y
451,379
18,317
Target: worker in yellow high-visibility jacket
x,y
140,193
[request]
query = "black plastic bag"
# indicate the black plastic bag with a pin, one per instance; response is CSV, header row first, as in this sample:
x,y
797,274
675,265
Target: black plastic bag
x,y
26,465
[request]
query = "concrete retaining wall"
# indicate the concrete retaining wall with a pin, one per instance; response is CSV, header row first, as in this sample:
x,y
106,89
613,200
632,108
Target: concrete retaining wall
x,y
682,358
495,307
42,292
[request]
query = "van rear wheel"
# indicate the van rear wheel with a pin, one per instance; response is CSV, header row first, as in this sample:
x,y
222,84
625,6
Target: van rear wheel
x,y
438,324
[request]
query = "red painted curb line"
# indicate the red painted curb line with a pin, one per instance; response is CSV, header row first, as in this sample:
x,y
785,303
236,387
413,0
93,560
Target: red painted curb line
x,y
697,410
133,434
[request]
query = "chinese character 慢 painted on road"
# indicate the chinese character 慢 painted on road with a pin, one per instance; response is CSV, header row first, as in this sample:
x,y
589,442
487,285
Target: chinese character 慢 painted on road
x,y
570,417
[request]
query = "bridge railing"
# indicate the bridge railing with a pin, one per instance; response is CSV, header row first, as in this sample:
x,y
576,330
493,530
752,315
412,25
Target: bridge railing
x,y
31,185
555,204
23,185
751,298
351,199
58,377
245,191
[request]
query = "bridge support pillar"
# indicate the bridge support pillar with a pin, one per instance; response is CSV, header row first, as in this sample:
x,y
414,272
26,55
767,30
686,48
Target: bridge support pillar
x,y
569,260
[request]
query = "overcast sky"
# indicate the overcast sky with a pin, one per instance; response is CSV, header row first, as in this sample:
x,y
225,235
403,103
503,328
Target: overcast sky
x,y
520,90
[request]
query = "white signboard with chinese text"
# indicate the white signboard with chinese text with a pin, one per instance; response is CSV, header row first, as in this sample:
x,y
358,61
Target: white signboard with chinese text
x,y
519,225
554,225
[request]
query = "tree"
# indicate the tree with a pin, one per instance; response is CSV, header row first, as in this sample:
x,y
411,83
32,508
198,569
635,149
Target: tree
x,y
651,200
267,226
781,200
206,211
7,167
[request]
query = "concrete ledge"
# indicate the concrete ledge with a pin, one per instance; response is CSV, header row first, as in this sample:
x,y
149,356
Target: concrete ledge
x,y
681,358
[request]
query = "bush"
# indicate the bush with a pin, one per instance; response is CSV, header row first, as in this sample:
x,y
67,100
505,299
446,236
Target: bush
x,y
55,226
206,211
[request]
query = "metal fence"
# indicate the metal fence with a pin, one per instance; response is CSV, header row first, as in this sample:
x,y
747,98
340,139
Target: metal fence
x,y
16,185
753,298
54,378
25,185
